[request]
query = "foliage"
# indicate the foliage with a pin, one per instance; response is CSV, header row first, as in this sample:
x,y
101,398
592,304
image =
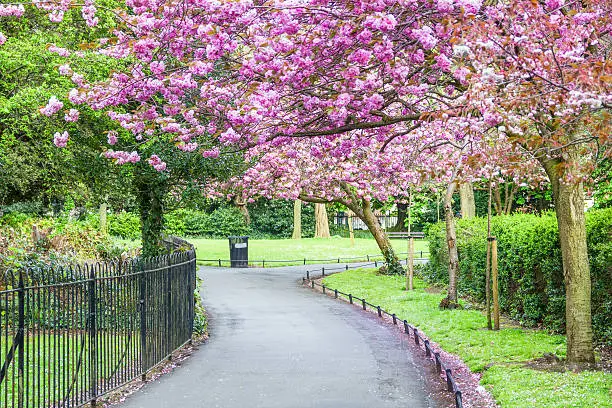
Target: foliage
x,y
531,281
497,354
124,224
274,218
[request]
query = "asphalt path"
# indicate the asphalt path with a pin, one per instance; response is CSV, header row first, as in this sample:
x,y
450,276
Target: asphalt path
x,y
274,343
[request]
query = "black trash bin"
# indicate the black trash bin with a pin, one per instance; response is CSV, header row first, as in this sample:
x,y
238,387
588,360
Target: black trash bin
x,y
239,252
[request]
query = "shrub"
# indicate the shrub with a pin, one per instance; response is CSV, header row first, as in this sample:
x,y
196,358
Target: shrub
x,y
274,218
531,283
124,224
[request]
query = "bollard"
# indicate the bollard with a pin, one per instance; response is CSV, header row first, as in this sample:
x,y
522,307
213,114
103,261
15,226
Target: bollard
x,y
323,289
363,304
427,352
394,318
379,312
416,336
438,364
351,298
406,327
336,293
449,382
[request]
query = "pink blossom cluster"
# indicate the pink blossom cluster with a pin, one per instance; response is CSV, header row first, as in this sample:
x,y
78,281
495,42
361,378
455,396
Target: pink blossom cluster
x,y
157,163
61,139
52,107
11,10
122,157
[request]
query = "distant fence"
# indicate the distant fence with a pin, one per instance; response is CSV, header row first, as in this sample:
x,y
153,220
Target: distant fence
x,y
71,335
313,275
385,221
418,256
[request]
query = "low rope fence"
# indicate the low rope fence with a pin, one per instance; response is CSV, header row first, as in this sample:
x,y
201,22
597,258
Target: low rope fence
x,y
418,256
419,339
71,335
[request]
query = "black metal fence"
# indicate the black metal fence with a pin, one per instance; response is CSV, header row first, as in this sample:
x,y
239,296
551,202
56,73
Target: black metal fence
x,y
71,335
419,339
418,256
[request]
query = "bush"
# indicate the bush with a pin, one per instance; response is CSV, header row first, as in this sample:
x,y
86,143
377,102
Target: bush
x,y
532,290
124,224
274,219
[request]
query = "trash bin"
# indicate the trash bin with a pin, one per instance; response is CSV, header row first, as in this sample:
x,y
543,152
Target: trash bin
x,y
239,252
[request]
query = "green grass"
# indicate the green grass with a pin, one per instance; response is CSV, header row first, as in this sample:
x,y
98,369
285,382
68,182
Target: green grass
x,y
288,249
461,332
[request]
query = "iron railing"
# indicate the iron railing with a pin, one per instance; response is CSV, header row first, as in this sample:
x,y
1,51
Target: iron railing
x,y
378,258
419,339
71,335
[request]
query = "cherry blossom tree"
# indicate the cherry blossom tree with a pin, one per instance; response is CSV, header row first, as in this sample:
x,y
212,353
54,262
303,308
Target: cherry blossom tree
x,y
540,71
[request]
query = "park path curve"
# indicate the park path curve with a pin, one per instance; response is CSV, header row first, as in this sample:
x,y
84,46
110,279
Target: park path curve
x,y
274,343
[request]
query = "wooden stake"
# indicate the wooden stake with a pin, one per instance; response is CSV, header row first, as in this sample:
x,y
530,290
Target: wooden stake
x,y
495,284
410,270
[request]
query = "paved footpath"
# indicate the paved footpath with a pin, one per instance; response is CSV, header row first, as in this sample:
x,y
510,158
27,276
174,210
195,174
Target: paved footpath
x,y
274,343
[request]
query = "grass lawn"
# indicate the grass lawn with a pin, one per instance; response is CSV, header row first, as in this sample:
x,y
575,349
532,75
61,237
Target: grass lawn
x,y
461,332
310,248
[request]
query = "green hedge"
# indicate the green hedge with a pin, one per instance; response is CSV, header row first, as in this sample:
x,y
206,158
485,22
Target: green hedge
x,y
530,272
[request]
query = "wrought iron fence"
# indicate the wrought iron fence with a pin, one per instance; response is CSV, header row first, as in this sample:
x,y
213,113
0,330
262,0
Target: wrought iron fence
x,y
70,335
311,279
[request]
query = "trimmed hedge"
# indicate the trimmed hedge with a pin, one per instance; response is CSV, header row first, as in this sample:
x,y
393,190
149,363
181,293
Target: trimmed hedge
x,y
530,272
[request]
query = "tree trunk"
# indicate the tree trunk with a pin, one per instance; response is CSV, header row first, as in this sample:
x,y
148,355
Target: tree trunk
x,y
450,302
150,191
569,209
402,212
242,207
350,228
468,203
321,222
297,220
367,216
103,223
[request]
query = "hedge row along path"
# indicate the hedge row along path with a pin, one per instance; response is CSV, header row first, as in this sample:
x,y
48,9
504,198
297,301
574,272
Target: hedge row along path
x,y
274,344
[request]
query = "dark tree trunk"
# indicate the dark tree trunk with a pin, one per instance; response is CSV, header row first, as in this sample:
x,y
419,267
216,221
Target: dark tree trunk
x,y
402,214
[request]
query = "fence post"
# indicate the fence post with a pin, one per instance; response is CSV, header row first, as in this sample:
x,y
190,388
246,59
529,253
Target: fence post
x,y
351,298
427,352
143,324
304,261
379,312
346,267
323,289
438,364
416,335
219,263
458,399
93,358
406,327
169,329
449,382
495,283
308,275
394,318
312,284
21,400
322,271
336,293
363,304
263,263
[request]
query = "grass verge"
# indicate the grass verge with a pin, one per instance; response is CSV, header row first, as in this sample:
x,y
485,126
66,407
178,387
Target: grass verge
x,y
498,355
288,249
